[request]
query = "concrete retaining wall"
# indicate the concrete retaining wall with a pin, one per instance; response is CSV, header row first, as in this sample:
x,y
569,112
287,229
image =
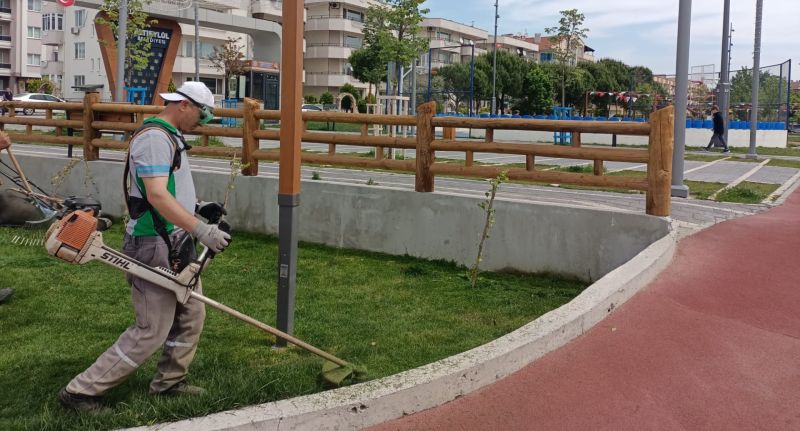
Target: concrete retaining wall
x,y
694,137
526,237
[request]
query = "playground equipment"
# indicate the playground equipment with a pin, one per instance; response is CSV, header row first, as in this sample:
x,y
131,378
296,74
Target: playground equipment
x,y
136,95
562,113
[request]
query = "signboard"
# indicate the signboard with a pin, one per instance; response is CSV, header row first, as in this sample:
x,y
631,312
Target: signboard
x,y
147,78
65,3
165,37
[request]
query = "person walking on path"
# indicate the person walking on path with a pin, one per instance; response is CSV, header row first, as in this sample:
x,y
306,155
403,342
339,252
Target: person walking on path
x,y
8,96
162,204
718,138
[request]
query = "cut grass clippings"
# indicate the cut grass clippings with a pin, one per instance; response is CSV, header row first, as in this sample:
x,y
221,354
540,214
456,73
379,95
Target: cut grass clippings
x,y
747,193
388,313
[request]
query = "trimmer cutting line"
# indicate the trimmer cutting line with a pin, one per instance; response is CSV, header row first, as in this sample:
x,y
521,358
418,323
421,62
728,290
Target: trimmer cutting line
x,y
75,239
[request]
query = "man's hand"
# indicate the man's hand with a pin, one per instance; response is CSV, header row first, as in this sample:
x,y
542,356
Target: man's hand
x,y
211,211
5,141
211,236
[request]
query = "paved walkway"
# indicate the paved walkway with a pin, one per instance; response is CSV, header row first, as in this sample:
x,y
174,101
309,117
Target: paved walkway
x,y
712,344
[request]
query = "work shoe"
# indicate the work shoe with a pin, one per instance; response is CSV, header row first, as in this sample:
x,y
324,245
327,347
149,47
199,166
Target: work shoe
x,y
183,388
80,402
726,151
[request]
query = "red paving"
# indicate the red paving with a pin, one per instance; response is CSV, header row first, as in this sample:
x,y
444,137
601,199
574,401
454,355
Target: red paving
x,y
712,344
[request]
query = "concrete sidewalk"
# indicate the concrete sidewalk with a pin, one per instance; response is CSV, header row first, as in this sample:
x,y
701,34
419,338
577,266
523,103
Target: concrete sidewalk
x,y
712,344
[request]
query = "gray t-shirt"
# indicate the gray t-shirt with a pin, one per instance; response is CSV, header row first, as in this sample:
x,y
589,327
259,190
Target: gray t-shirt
x,y
151,155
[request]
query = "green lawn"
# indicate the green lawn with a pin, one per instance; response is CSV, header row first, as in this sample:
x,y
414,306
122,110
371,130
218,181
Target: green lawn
x,y
385,312
747,193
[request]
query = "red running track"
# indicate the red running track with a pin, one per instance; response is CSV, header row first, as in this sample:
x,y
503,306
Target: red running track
x,y
712,344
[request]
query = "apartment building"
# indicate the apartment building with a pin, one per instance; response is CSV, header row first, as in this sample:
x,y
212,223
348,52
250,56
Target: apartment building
x,y
513,44
333,31
20,43
72,51
450,42
583,52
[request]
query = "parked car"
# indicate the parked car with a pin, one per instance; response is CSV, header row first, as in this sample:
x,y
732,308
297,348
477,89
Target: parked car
x,y
35,97
794,128
308,107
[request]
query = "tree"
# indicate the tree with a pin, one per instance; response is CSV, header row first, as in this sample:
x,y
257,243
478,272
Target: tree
x,y
392,28
229,60
538,92
137,49
455,80
565,39
368,66
511,70
579,83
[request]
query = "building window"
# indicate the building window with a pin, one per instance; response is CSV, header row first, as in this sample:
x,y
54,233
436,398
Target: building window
x,y
34,32
352,41
188,48
92,69
80,17
211,83
35,5
34,59
80,50
53,21
546,57
354,15
79,80
442,36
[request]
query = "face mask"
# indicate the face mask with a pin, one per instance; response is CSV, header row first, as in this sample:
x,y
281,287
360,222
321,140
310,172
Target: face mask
x,y
206,115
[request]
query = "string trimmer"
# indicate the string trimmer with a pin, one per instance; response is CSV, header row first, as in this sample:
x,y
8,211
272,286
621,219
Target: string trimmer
x,y
74,238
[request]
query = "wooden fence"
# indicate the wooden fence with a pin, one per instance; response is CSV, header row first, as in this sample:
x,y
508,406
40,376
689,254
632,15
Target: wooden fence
x,y
92,118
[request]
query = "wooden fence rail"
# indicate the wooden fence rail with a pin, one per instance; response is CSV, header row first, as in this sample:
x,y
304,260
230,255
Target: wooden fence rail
x,y
92,118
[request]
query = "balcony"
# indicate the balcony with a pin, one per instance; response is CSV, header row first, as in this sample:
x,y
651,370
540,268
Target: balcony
x,y
52,67
328,50
270,10
5,66
330,79
53,38
332,23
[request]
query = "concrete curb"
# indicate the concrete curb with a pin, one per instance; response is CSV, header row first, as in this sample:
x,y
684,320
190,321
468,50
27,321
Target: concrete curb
x,y
431,385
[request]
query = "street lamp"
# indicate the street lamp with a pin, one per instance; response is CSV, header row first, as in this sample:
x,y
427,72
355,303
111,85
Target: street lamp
x,y
461,44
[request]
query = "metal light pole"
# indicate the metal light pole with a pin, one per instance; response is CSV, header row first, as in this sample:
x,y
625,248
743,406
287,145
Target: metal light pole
x,y
471,77
679,189
196,41
724,74
756,82
122,37
289,171
494,61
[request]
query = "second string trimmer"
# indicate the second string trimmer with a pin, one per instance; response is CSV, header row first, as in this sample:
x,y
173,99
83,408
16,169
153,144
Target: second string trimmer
x,y
75,239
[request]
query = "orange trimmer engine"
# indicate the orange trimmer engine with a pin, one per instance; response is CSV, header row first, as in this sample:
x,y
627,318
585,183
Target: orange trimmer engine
x,y
69,237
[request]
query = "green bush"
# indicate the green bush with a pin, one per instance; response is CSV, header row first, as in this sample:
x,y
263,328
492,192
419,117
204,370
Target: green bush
x,y
326,98
311,99
38,85
362,106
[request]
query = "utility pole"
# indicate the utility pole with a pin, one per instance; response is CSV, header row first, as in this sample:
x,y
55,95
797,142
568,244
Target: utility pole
x,y
679,189
196,40
122,37
724,74
494,61
756,82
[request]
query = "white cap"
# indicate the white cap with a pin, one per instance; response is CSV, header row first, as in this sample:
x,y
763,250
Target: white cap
x,y
194,91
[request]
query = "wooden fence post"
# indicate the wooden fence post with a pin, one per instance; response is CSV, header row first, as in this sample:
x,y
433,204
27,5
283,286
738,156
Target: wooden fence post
x,y
249,141
89,152
659,166
425,156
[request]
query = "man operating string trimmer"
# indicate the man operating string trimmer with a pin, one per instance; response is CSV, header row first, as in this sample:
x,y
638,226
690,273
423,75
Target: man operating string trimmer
x,y
162,205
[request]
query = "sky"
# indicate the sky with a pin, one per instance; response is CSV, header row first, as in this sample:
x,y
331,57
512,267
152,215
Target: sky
x,y
644,32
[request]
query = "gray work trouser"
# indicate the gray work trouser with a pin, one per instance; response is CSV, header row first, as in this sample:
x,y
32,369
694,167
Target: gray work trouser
x,y
160,321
